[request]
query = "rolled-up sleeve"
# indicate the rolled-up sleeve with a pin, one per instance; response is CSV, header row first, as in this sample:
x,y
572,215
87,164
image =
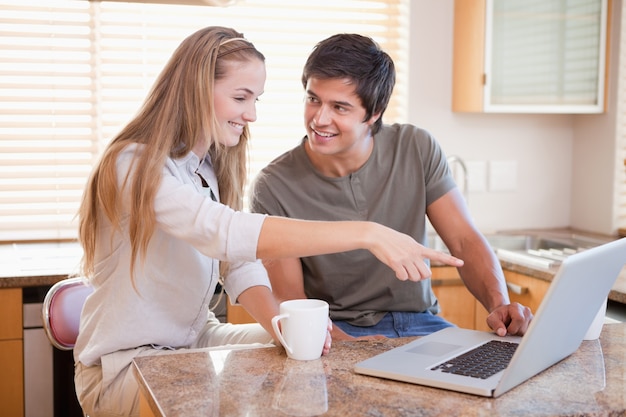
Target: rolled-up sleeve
x,y
243,275
214,229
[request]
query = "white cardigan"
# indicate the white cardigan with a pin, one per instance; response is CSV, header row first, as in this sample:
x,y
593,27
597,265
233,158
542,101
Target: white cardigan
x,y
181,269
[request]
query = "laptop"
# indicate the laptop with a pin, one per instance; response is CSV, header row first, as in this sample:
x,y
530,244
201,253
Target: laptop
x,y
572,301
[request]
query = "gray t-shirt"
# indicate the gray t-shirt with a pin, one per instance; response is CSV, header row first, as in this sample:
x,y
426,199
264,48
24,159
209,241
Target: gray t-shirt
x,y
406,171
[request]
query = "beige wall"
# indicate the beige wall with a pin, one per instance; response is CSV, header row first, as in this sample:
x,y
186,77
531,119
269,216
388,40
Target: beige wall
x,y
545,148
594,203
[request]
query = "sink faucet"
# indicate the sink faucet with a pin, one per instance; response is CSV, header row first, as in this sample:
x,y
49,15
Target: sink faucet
x,y
454,160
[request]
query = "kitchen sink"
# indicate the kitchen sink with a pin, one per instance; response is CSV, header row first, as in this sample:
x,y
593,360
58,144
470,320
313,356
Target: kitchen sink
x,y
537,242
535,250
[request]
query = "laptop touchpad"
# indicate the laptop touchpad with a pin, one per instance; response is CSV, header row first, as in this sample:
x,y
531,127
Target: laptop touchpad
x,y
434,348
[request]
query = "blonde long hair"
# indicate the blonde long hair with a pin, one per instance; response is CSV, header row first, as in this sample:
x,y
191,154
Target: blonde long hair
x,y
177,113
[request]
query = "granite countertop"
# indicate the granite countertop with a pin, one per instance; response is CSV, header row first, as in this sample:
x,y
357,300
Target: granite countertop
x,y
264,382
38,264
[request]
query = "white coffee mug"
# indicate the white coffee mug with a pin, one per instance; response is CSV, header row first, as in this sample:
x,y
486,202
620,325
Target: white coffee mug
x,y
304,325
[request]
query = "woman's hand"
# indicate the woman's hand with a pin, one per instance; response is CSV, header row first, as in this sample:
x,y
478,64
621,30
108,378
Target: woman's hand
x,y
403,254
329,338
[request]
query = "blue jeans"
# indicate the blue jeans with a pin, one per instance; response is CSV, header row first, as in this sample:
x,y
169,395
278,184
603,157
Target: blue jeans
x,y
398,324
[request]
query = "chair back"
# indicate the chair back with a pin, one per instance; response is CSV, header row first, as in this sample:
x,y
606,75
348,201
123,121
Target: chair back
x,y
61,311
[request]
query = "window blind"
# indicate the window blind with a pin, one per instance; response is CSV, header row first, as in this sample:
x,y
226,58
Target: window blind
x,y
72,73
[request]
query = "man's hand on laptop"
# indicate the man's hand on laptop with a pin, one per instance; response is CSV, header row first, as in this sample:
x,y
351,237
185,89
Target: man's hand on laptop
x,y
510,319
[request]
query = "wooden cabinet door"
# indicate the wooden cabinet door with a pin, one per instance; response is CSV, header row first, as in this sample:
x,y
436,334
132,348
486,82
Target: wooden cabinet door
x,y
11,353
481,317
10,313
12,377
236,314
455,301
525,289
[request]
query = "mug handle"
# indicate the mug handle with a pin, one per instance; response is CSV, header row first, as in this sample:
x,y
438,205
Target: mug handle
x,y
275,321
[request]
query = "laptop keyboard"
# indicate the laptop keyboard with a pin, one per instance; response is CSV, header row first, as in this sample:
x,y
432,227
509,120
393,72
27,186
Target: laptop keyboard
x,y
481,362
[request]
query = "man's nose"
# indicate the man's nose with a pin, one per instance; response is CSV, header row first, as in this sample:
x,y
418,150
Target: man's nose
x,y
322,116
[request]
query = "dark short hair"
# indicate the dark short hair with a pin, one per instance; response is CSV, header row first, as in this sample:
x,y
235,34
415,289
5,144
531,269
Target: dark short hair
x,y
360,59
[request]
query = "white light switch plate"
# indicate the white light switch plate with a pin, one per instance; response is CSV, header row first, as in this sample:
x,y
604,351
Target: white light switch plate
x,y
502,176
476,176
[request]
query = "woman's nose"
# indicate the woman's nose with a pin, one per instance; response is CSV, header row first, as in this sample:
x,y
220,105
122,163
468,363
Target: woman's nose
x,y
250,114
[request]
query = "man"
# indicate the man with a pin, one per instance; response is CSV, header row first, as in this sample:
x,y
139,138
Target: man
x,y
350,166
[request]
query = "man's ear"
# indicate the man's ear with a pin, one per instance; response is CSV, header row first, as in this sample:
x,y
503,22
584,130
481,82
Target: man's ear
x,y
374,118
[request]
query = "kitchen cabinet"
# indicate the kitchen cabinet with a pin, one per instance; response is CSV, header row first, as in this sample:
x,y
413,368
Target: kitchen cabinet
x,y
11,352
460,307
520,56
525,289
455,300
236,314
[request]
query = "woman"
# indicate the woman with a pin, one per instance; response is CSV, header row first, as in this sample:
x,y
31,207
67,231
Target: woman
x,y
160,223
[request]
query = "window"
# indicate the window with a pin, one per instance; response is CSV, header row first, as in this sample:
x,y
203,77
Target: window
x,y
73,72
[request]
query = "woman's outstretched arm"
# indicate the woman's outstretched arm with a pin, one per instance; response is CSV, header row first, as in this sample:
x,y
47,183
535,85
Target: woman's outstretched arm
x,y
290,238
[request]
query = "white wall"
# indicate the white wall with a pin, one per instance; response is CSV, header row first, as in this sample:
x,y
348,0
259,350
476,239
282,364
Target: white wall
x,y
595,159
541,146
